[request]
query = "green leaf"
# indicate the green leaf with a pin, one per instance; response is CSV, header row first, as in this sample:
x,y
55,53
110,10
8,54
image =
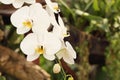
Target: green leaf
x,y
95,5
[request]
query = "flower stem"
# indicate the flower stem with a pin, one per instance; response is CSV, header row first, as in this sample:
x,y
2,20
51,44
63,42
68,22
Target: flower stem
x,y
62,70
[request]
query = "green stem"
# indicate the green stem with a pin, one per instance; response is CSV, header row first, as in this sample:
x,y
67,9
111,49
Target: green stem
x,y
89,4
62,70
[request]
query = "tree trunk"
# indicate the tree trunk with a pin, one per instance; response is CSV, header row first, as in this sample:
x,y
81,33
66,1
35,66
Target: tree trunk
x,y
16,65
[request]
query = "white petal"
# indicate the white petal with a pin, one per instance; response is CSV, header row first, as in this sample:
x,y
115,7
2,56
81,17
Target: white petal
x,y
70,49
56,28
40,18
29,43
6,1
19,16
18,3
61,23
61,53
63,28
68,59
55,4
50,12
49,57
37,28
32,57
51,5
30,1
57,31
52,16
22,30
52,44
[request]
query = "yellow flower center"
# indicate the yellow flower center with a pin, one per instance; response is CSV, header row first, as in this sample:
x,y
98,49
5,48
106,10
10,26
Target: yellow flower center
x,y
39,50
28,23
66,34
56,8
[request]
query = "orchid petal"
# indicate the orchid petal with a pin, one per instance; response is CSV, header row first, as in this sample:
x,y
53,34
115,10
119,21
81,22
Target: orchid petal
x,y
61,23
50,12
52,44
52,16
18,3
40,18
30,1
49,57
19,16
70,49
32,57
60,53
22,30
52,5
68,59
6,1
29,44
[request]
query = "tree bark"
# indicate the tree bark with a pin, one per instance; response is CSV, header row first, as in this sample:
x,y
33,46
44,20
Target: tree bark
x,y
16,65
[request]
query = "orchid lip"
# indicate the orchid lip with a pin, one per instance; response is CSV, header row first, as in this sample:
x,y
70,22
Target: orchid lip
x,y
28,23
39,50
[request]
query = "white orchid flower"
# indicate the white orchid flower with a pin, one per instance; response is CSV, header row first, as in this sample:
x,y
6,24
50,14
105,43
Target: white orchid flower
x,y
17,3
64,29
60,29
53,6
33,45
30,17
67,53
58,25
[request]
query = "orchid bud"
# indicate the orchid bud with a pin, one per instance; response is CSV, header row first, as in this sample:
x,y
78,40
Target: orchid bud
x,y
56,68
70,78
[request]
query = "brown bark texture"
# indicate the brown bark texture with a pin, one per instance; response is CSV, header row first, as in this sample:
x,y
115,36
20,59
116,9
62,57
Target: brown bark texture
x,y
16,65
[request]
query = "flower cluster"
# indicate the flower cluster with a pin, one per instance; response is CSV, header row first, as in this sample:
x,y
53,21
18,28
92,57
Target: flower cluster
x,y
47,30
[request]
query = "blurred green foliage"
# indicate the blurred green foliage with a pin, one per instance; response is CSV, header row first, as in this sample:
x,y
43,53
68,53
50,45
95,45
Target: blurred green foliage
x,y
102,16
2,78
